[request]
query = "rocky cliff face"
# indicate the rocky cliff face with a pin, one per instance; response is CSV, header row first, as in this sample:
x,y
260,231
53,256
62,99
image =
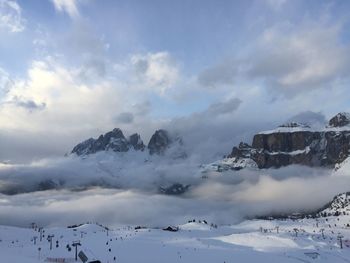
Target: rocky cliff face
x,y
161,140
115,141
136,142
340,120
298,144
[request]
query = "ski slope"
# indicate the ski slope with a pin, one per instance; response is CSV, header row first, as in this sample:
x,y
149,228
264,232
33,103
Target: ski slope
x,y
250,241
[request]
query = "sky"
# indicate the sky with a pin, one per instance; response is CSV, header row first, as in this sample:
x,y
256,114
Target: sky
x,y
214,71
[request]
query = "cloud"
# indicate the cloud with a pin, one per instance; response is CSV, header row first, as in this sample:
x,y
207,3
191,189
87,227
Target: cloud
x,y
276,4
11,16
300,58
223,107
122,189
55,99
68,6
314,119
30,105
222,74
214,110
142,108
272,192
5,82
157,72
211,133
93,68
125,117
289,59
66,104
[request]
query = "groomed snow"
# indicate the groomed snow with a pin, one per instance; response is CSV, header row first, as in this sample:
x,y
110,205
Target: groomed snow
x,y
251,241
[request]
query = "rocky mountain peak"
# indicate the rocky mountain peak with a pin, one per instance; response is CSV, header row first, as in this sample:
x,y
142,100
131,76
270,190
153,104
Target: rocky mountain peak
x,y
293,143
340,120
84,147
136,142
115,141
159,142
116,133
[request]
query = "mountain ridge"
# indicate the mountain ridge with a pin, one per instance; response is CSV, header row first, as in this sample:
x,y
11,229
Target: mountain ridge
x,y
115,141
292,143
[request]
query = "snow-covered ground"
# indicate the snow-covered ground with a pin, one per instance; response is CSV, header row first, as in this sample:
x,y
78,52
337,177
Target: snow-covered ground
x,y
301,128
250,241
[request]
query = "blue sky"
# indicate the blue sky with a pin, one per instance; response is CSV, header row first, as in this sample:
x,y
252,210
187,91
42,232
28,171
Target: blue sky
x,y
75,68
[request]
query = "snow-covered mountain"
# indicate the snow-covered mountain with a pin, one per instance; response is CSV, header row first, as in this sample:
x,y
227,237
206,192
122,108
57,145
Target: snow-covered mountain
x,y
340,205
292,143
115,141
324,239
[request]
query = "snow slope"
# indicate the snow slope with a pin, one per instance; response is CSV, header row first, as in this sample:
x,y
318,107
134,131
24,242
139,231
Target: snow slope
x,y
251,241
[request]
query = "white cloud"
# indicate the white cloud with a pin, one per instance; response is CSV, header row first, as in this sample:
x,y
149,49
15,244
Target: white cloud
x,y
5,82
11,16
55,99
296,58
276,4
68,6
287,58
156,71
224,73
132,187
314,119
125,117
68,103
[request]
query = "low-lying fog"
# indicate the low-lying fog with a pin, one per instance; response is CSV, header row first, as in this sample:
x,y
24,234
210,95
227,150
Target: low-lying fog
x,y
124,189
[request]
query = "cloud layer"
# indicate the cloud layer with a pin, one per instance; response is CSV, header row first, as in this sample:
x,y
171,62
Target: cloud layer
x,y
287,58
68,6
11,16
122,189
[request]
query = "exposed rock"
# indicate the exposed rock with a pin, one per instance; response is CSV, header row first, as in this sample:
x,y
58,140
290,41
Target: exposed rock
x,y
243,150
84,147
113,140
171,228
136,142
297,144
340,120
175,189
294,125
226,164
284,142
161,141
